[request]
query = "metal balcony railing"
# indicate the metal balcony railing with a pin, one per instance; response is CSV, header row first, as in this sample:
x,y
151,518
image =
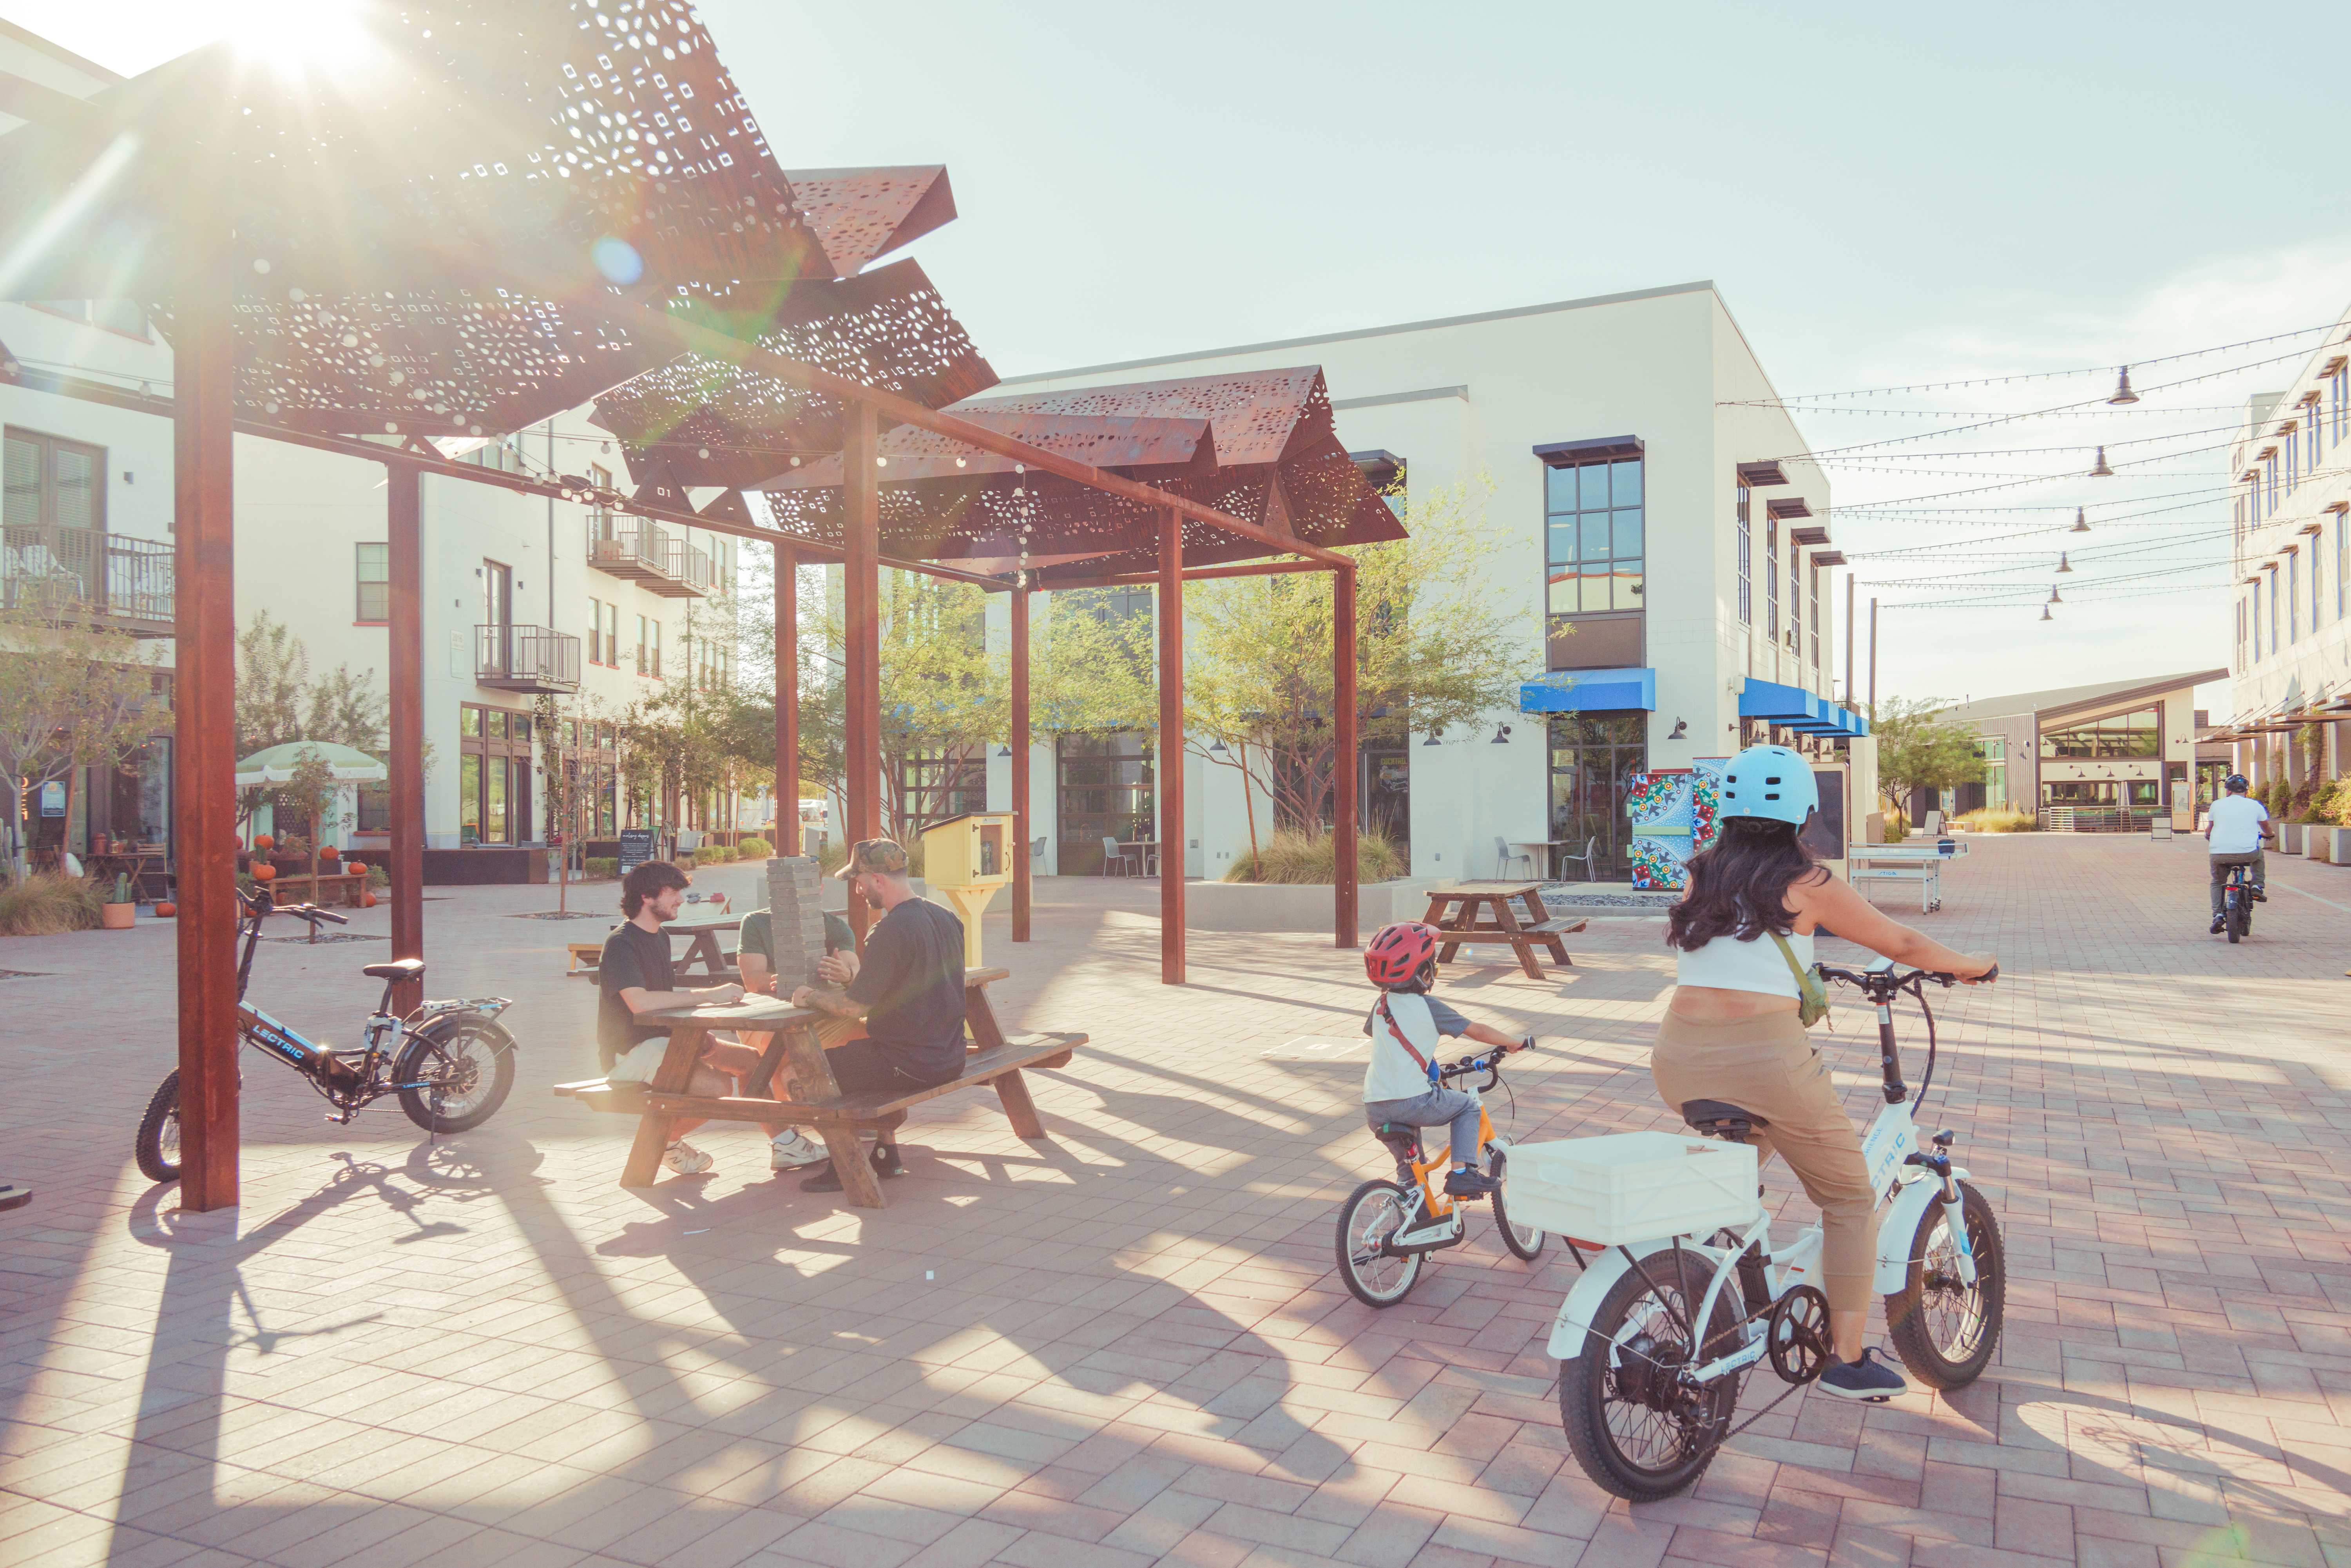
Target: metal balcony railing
x,y
646,553
86,572
525,659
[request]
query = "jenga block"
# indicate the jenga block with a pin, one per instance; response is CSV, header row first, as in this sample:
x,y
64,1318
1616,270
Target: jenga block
x,y
797,920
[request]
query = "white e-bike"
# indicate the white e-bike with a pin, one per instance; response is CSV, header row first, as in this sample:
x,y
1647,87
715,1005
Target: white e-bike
x,y
1647,1396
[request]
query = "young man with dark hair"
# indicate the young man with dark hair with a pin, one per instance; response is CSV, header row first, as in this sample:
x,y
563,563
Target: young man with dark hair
x,y
906,993
633,976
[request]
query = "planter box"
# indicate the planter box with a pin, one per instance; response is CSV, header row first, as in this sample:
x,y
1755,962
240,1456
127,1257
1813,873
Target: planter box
x,y
2289,838
2335,842
1299,906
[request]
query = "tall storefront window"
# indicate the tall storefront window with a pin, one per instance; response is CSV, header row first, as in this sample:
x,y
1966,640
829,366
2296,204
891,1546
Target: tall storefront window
x,y
1106,792
1746,557
494,778
1595,546
1593,756
2138,734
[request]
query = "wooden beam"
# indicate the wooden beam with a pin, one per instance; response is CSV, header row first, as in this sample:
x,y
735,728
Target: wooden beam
x,y
1023,887
790,836
1197,574
861,597
1346,758
403,531
1170,770
205,697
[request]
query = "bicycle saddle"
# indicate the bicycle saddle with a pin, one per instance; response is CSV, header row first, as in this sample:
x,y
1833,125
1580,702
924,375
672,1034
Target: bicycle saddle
x,y
1721,1119
397,969
1403,1140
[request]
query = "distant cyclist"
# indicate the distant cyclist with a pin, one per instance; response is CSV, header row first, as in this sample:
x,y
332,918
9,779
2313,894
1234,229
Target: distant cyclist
x,y
2236,826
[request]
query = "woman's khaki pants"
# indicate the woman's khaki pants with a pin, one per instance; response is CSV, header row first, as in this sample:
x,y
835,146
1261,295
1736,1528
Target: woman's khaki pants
x,y
1766,1066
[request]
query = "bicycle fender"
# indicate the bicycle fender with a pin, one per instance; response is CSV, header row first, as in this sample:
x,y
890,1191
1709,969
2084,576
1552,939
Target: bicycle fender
x,y
1583,1303
494,1034
1899,1228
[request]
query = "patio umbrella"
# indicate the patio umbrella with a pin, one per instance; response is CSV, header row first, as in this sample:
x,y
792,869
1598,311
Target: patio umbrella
x,y
276,764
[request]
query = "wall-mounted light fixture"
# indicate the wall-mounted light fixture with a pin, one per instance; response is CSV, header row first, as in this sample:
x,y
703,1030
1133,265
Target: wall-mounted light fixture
x,y
1502,735
1681,728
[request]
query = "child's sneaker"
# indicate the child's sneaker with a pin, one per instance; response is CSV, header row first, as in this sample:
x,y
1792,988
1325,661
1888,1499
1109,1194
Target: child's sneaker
x,y
1470,1183
1868,1378
686,1160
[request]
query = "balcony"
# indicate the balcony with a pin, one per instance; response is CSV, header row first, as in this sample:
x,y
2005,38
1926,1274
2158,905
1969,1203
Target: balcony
x,y
87,574
525,659
650,555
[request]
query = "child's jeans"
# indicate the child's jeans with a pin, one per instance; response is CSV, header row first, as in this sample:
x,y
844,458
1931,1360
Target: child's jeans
x,y
1436,1108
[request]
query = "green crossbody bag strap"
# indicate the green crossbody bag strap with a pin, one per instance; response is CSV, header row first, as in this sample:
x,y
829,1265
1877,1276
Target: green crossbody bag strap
x,y
1811,996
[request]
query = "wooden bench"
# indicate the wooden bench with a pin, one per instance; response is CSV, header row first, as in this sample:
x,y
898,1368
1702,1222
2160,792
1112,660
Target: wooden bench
x,y
586,957
991,1059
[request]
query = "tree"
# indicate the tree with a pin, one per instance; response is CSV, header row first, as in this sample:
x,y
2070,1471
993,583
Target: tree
x,y
71,697
309,793
1431,653
1918,748
277,702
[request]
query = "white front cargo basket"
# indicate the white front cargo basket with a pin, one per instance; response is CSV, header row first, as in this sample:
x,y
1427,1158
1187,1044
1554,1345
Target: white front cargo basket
x,y
1632,1186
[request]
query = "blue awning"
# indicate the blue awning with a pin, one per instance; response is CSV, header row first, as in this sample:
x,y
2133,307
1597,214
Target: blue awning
x,y
1589,691
1797,709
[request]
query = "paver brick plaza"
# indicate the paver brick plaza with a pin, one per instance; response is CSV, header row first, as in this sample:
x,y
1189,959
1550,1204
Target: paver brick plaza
x,y
1128,1345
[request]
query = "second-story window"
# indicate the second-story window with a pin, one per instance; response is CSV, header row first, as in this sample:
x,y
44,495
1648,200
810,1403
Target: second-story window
x,y
2317,583
1771,577
2342,562
2241,633
2294,596
51,482
2274,644
1813,612
1595,549
2341,381
374,575
595,631
1746,557
1796,599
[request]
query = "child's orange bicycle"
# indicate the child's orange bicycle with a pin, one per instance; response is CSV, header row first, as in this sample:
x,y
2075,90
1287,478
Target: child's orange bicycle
x,y
1387,1228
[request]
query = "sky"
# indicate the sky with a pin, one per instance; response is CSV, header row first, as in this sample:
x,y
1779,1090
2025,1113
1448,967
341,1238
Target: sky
x,y
1885,196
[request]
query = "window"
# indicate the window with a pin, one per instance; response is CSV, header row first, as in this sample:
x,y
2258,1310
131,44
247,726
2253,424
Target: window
x,y
1107,793
2341,384
643,668
2136,734
1771,578
2292,435
1994,755
1796,599
2274,644
2269,481
2317,582
2253,498
2310,464
1812,614
1594,758
2342,561
1746,557
51,482
2255,615
612,635
374,573
492,775
2293,596
1594,581
595,631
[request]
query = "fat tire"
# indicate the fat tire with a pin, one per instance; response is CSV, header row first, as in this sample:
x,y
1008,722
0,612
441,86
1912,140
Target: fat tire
x,y
1905,1317
1498,1166
149,1146
425,1045
1583,1385
1355,1286
2240,921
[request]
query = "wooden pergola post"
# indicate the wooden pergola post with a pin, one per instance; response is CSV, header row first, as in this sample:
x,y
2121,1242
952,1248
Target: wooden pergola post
x,y
1345,760
203,379
404,558
788,835
1171,746
861,594
1022,888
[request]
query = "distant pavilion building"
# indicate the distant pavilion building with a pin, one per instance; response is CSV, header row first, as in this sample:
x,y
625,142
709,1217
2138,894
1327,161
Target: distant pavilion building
x,y
2109,757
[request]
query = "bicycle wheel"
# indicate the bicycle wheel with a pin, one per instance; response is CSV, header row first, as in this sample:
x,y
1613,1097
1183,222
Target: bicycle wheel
x,y
1523,1240
1946,1331
457,1076
1373,1213
1637,1428
2241,917
157,1147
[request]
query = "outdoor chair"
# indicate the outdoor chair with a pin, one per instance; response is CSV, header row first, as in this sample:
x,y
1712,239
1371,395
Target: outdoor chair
x,y
1504,856
1588,859
1113,855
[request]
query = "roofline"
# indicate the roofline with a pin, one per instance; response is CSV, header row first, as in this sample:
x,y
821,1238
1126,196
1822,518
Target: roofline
x,y
1705,285
2120,693
58,52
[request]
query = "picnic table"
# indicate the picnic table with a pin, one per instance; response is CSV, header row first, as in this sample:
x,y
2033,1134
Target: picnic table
x,y
348,888
991,1057
702,949
1470,913
1918,863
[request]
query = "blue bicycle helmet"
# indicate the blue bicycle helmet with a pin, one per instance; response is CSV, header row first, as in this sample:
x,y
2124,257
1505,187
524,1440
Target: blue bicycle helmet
x,y
1770,782
2234,781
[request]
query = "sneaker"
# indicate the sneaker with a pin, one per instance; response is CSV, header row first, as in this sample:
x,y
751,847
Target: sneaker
x,y
792,1149
686,1160
1868,1378
884,1161
2260,894
1470,1183
2219,923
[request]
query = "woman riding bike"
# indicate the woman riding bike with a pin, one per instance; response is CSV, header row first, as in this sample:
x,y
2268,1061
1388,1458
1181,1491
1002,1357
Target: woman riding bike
x,y
1743,936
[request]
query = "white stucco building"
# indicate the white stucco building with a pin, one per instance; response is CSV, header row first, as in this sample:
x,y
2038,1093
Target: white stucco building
x,y
1666,552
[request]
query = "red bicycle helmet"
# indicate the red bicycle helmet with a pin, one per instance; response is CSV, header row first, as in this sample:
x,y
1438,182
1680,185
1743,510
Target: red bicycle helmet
x,y
1399,952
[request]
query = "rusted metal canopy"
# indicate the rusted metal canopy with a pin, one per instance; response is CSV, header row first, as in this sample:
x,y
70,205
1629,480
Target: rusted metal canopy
x,y
861,213
1258,445
436,222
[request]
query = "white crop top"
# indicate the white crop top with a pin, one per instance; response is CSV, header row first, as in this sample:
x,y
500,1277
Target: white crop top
x,y
1728,963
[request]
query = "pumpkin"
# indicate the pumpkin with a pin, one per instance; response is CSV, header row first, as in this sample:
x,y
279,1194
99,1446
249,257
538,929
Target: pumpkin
x,y
265,871
367,901
265,843
166,910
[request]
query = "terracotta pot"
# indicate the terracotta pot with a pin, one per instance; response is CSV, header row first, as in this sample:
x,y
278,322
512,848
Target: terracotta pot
x,y
166,910
116,916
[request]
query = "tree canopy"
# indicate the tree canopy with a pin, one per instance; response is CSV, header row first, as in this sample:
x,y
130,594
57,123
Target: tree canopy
x,y
71,697
1919,748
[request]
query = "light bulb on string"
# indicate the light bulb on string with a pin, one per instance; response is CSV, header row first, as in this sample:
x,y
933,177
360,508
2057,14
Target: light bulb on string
x,y
2123,393
2045,615
2099,470
2062,564
2054,598
2081,523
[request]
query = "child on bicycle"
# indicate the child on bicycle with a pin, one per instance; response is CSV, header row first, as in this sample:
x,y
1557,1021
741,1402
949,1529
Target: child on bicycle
x,y
1406,1025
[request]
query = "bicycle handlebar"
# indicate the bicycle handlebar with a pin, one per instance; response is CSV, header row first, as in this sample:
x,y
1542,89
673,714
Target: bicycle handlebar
x,y
1490,1065
258,904
1891,981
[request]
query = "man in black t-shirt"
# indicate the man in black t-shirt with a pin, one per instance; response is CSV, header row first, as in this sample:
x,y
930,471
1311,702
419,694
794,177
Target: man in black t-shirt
x,y
633,976
907,989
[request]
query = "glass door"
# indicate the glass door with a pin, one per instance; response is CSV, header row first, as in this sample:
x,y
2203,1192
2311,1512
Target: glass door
x,y
1593,756
1106,792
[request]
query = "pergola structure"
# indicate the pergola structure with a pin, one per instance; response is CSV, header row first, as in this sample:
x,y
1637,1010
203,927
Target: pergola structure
x,y
481,218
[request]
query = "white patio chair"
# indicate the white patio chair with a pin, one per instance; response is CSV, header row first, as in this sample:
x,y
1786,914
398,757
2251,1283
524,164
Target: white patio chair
x,y
1504,856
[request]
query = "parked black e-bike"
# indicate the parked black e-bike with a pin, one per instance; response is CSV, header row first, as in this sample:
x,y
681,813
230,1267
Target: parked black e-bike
x,y
451,1062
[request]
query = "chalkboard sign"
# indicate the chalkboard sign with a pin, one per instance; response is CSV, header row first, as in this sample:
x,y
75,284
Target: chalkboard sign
x,y
636,847
1825,834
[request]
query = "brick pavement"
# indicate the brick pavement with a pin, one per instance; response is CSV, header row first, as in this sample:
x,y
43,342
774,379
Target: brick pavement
x,y
1127,1345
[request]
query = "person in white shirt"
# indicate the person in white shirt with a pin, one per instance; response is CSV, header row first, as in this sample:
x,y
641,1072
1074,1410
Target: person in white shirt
x,y
2236,826
1408,1027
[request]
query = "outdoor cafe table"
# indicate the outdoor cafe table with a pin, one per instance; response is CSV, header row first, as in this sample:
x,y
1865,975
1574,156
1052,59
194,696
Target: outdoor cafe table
x,y
1457,910
1146,852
